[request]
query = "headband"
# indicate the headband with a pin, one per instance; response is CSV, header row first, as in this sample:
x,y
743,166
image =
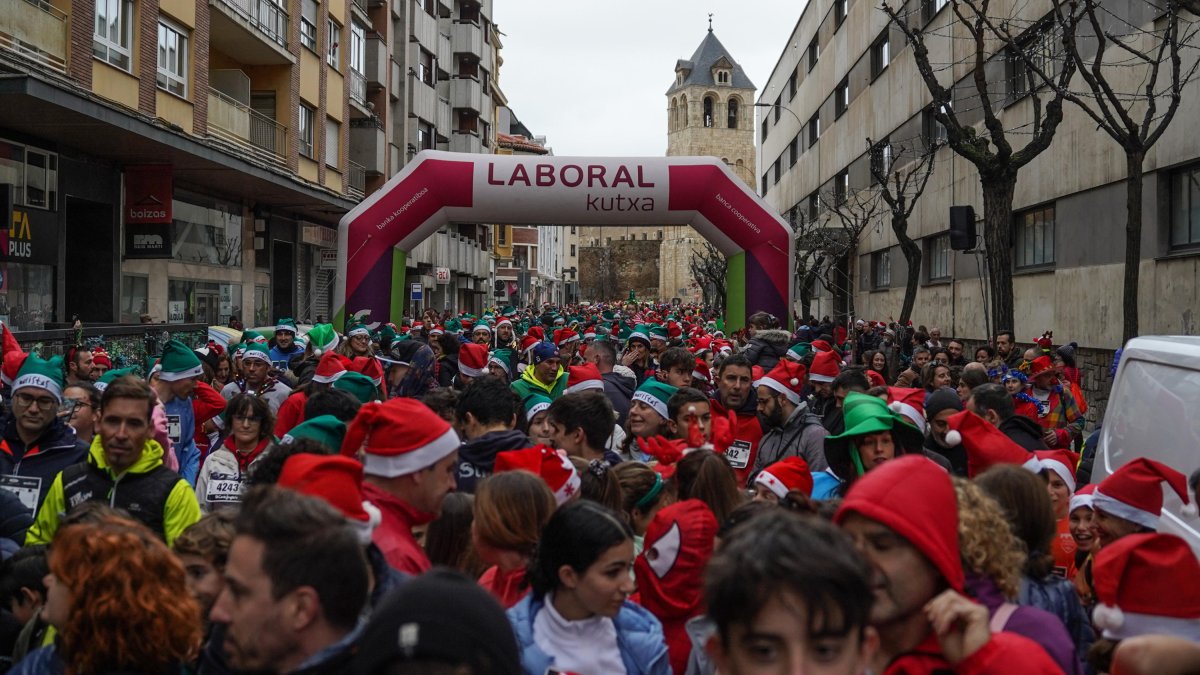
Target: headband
x,y
652,494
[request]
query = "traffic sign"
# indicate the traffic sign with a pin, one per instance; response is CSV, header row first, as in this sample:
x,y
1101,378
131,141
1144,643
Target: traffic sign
x,y
417,291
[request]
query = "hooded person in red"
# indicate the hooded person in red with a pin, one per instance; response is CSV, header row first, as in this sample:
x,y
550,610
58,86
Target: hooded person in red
x,y
903,517
670,571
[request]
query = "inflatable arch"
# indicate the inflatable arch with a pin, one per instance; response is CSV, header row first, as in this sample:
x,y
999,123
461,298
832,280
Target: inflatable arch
x,y
437,188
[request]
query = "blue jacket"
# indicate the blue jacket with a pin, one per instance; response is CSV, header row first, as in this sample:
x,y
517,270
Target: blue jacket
x,y
639,639
181,427
28,472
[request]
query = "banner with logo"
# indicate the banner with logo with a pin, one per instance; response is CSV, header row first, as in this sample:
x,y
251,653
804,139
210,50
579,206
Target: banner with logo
x,y
148,194
147,241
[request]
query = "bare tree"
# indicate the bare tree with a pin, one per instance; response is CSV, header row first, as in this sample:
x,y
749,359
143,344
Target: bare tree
x,y
1111,56
989,149
708,269
847,214
902,171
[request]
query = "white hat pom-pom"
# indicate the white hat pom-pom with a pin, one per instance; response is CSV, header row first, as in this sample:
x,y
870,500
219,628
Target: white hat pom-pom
x,y
894,406
953,437
793,381
1189,510
1107,617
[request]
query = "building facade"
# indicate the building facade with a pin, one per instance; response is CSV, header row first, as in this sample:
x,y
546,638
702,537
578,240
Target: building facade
x,y
847,75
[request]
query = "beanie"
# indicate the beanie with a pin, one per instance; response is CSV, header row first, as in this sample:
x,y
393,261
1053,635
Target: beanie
x,y
472,360
179,362
357,385
1134,491
915,498
324,429
942,399
399,437
543,351
655,394
44,373
789,473
986,446
825,367
1146,584
336,480
582,378
101,357
787,378
323,338
331,366
555,469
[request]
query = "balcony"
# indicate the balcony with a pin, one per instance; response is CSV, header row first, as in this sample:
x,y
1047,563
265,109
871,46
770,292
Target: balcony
x,y
443,57
465,92
35,31
467,38
465,141
424,27
356,186
361,7
236,123
422,100
368,145
254,32
377,61
443,120
357,87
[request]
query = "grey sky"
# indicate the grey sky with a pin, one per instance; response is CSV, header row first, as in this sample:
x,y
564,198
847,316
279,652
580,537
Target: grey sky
x,y
592,76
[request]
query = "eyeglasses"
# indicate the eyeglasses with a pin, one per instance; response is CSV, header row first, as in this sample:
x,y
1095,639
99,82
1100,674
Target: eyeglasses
x,y
247,419
43,402
70,405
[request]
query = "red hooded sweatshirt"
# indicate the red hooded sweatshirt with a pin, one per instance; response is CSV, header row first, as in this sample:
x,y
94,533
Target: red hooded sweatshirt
x,y
746,435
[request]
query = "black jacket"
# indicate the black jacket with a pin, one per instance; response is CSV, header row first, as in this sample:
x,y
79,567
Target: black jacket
x,y
1024,432
620,392
767,347
477,457
57,449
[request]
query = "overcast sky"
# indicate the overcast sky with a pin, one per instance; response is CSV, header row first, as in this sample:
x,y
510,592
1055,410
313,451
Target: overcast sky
x,y
561,56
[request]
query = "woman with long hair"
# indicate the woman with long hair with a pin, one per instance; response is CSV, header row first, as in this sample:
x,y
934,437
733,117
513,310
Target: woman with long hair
x,y
578,616
707,476
119,600
447,540
222,478
644,492
511,508
413,371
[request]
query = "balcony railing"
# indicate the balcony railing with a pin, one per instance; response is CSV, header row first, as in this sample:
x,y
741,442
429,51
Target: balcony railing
x,y
35,30
357,183
235,122
264,15
361,4
358,87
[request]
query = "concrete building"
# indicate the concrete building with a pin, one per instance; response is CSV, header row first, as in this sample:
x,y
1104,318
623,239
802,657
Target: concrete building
x,y
708,114
846,75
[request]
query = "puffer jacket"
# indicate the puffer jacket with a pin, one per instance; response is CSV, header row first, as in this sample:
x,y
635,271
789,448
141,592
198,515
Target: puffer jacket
x,y
802,435
34,467
639,639
767,347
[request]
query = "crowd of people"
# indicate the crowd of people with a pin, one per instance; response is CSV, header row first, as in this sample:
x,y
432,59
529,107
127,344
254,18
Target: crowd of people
x,y
592,489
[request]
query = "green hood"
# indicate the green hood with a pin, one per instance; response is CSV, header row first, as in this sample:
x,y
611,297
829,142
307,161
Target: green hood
x,y
152,457
864,415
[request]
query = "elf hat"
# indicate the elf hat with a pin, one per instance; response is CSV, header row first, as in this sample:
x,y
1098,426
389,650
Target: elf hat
x,y
825,367
582,378
179,362
101,357
323,338
1146,584
659,332
14,356
338,481
358,328
563,336
789,473
655,394
357,385
798,351
1134,491
1061,462
640,334
256,350
369,366
1083,499
986,445
44,373
482,326
558,472
700,371
253,336
324,429
331,366
506,359
472,360
287,324
910,403
108,377
399,437
787,378
535,403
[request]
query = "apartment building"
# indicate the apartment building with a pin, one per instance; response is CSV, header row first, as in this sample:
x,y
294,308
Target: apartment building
x,y
846,75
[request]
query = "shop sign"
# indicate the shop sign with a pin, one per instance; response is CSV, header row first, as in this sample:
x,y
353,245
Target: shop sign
x,y
148,194
31,237
147,241
443,275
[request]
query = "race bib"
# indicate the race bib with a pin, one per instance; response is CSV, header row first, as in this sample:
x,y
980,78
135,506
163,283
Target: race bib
x,y
224,488
26,488
174,428
738,454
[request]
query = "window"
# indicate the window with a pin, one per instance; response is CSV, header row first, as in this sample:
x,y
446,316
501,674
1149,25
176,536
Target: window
x,y
722,77
841,98
708,111
172,59
764,128
881,54
931,129
765,181
573,247
776,169
308,24
1185,207
841,186
333,56
881,269
840,10
333,135
814,52
113,37
32,173
1042,46
932,7
793,151
424,136
791,87
358,47
425,71
731,110
1034,237
813,207
778,107
937,257
305,131
814,129
881,159
572,229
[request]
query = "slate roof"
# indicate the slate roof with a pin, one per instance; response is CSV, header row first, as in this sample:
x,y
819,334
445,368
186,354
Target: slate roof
x,y
707,54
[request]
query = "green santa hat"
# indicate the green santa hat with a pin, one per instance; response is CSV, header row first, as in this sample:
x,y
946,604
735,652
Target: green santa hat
x,y
110,375
535,403
659,332
357,385
358,328
324,429
323,338
655,394
256,350
640,332
506,358
508,312
286,323
178,362
44,373
798,351
253,337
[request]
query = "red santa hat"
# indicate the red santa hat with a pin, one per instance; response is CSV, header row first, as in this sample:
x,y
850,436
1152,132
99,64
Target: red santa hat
x,y
986,445
825,366
528,342
821,346
563,336
908,402
555,469
582,378
399,437
473,360
1146,584
537,332
1134,491
1083,499
1061,462
789,473
14,356
437,330
700,371
338,481
874,378
786,378
369,366
331,366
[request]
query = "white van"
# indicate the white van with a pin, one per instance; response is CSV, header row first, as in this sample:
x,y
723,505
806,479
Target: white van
x,y
1154,412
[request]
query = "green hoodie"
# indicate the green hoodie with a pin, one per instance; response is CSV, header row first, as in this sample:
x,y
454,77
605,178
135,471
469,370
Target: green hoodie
x,y
527,384
182,510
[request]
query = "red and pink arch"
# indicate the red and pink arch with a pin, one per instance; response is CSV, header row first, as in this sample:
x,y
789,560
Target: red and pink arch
x,y
437,188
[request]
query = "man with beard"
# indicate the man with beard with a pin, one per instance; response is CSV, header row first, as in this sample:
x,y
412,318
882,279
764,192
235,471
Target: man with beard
x,y
735,393
1007,350
940,405
993,403
791,429
505,338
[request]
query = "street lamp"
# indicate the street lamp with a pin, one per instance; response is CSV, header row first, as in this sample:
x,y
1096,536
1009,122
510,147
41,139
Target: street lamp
x,y
776,105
